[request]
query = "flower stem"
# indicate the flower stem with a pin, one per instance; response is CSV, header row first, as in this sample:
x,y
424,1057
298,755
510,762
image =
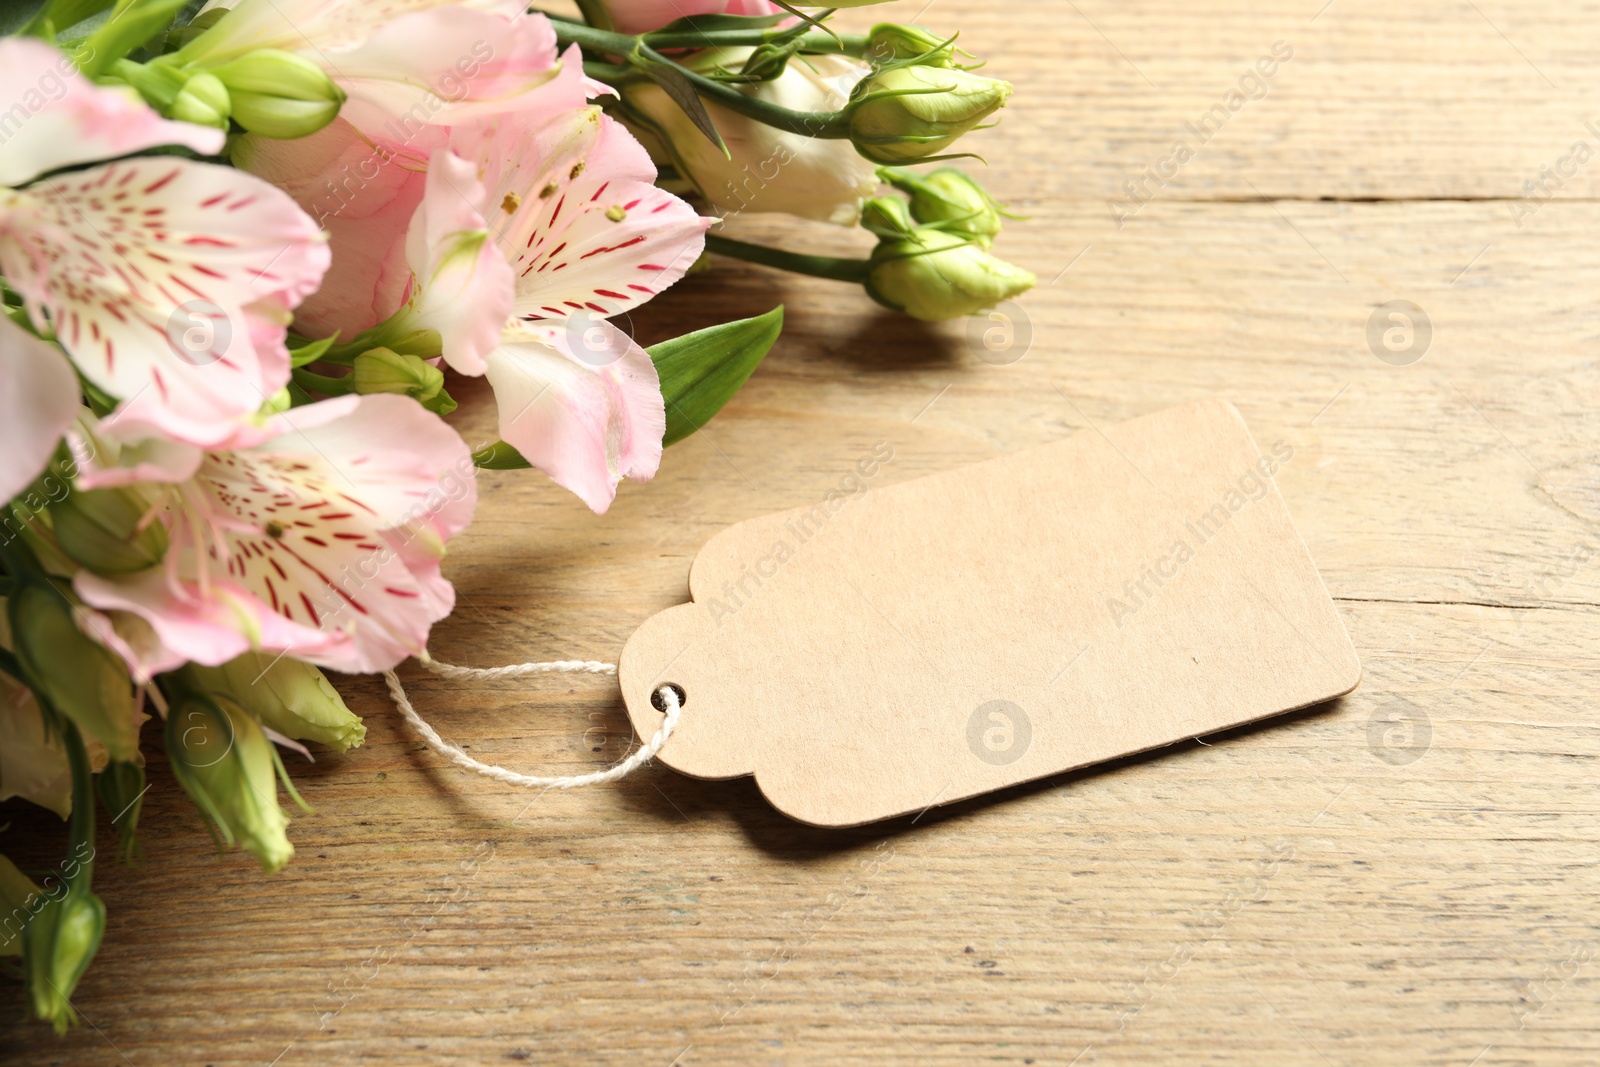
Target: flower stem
x,y
321,383
81,825
812,42
836,268
10,665
639,53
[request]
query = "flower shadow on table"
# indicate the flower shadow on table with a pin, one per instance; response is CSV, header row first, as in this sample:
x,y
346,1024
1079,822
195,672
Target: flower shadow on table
x,y
846,328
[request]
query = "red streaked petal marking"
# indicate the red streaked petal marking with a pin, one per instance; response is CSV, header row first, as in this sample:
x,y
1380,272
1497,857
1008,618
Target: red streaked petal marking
x,y
158,184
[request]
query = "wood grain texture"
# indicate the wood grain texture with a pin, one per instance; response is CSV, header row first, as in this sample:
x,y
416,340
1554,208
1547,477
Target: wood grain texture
x,y
1406,876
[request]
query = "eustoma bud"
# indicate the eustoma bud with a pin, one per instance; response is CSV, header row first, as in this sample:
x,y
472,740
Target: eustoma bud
x,y
279,94
887,216
933,276
907,113
110,531
60,940
950,200
889,42
287,695
226,764
79,677
767,62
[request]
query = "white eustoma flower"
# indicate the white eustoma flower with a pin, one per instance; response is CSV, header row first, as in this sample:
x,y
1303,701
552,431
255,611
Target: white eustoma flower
x,y
767,169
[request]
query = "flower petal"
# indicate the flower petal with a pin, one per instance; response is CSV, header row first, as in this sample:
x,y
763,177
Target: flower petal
x,y
768,169
33,761
209,625
58,118
464,282
446,66
590,232
105,461
404,466
639,16
169,282
362,192
323,540
585,410
38,402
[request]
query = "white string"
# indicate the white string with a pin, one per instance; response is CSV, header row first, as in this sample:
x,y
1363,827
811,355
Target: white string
x,y
517,670
668,695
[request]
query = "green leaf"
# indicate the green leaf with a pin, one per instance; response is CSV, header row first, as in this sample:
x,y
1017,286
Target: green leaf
x,y
131,24
701,371
676,84
66,15
18,15
311,351
500,457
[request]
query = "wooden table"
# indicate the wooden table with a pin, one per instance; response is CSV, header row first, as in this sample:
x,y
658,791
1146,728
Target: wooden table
x,y
1405,876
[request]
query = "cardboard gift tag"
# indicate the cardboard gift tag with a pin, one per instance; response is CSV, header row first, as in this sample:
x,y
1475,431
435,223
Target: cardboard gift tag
x,y
929,641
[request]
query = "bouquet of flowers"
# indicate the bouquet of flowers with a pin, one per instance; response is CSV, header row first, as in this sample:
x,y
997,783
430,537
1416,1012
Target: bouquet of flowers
x,y
244,245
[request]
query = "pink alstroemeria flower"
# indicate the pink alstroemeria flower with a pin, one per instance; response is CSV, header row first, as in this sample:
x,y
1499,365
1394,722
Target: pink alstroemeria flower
x,y
318,533
403,64
568,211
640,16
553,223
168,282
367,193
574,209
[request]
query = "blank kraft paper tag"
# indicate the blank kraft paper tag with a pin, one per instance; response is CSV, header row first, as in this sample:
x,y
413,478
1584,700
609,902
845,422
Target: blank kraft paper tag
x,y
967,631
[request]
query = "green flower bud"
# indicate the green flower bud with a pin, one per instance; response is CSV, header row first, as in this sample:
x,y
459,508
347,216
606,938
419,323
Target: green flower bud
x,y
80,678
121,789
383,370
17,894
888,43
277,117
104,530
202,101
223,760
287,695
279,94
935,276
907,113
950,200
766,62
887,216
57,945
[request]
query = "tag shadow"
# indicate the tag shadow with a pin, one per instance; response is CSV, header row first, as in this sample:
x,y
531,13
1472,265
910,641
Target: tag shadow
x,y
783,838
